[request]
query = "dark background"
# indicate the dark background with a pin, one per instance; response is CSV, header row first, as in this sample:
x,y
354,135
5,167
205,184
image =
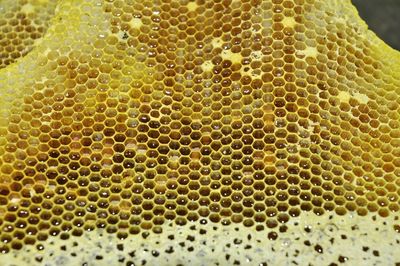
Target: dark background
x,y
382,17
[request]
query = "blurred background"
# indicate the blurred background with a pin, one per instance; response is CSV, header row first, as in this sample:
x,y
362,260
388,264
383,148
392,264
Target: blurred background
x,y
383,17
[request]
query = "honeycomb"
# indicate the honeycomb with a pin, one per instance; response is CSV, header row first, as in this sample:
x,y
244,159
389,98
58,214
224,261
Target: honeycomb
x,y
21,23
137,120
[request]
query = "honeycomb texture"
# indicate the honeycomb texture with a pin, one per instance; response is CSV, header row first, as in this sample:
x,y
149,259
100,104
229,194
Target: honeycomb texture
x,y
21,23
128,115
